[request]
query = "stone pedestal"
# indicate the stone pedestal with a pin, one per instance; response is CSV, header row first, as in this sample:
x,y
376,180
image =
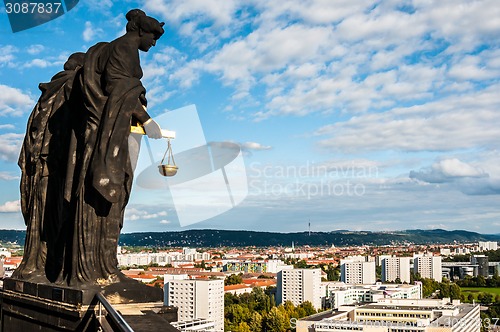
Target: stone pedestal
x,y
27,306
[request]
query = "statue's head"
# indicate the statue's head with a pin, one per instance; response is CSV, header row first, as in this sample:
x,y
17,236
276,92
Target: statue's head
x,y
148,28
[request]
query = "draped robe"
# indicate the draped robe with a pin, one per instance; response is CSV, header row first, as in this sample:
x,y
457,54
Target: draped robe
x,y
76,171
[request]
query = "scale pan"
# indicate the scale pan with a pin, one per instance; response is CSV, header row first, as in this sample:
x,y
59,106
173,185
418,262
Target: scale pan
x,y
168,170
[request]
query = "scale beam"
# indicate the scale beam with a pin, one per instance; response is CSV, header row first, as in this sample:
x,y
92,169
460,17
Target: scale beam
x,y
164,132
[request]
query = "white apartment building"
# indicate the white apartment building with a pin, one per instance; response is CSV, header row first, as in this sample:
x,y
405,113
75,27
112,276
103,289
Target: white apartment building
x,y
397,316
357,272
162,258
396,267
380,258
299,285
428,266
196,299
488,245
339,294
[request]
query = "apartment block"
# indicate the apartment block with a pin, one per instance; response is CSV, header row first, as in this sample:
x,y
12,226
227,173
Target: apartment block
x,y
428,266
299,285
196,299
396,268
357,272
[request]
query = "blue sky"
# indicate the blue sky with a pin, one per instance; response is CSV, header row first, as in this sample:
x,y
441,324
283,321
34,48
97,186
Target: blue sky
x,y
360,115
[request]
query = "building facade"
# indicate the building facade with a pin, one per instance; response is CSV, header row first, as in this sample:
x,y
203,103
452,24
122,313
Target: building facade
x,y
396,268
196,299
298,286
339,294
398,316
357,272
428,266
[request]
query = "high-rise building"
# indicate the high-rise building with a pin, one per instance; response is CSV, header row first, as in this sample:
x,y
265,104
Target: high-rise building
x,y
299,285
196,299
356,272
396,267
428,266
380,258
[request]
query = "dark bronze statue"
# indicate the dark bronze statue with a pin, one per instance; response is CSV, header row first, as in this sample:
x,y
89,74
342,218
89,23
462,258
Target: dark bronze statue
x,y
76,169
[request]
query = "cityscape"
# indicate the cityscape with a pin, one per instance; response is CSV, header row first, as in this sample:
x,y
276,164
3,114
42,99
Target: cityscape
x,y
411,287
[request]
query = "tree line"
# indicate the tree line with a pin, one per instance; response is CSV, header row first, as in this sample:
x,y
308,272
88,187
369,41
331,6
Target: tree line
x,y
257,312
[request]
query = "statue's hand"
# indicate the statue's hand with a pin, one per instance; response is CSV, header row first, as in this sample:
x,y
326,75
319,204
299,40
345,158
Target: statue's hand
x,y
152,129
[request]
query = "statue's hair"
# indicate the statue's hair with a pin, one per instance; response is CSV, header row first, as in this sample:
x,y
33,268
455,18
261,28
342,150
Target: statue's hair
x,y
137,19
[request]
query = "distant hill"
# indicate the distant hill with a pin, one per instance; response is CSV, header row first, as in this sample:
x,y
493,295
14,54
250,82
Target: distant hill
x,y
217,238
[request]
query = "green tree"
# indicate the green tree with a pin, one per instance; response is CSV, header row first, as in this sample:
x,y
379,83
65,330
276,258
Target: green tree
x,y
308,308
243,327
470,297
290,309
277,320
237,313
480,281
378,273
233,279
255,323
455,291
302,264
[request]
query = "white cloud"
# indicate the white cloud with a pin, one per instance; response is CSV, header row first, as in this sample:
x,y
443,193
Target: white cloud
x,y
35,49
201,11
255,146
136,214
40,63
8,176
11,206
323,56
7,54
453,123
91,32
14,102
448,170
10,146
469,179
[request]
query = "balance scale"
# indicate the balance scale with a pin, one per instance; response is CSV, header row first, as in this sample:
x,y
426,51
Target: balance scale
x,y
168,169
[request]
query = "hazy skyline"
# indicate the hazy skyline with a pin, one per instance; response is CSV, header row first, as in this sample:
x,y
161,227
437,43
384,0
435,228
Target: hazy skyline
x,y
361,115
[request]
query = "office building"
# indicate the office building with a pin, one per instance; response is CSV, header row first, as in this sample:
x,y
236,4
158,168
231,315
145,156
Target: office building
x,y
397,316
338,294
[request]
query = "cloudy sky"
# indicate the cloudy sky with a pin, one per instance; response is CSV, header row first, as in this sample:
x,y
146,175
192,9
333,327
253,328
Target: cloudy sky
x,y
360,115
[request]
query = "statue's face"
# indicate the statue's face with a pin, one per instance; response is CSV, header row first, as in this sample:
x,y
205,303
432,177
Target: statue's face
x,y
147,41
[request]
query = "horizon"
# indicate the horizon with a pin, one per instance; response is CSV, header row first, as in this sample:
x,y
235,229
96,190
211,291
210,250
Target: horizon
x,y
368,117
295,232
